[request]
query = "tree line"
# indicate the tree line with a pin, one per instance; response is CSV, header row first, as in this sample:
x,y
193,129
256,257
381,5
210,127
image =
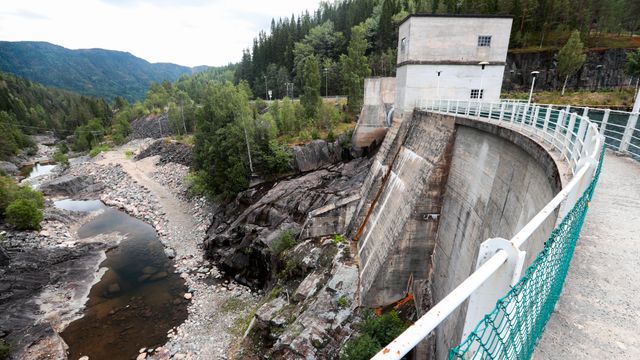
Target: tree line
x,y
276,60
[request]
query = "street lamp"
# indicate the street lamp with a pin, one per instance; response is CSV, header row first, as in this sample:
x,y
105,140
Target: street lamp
x,y
481,91
438,85
533,83
326,82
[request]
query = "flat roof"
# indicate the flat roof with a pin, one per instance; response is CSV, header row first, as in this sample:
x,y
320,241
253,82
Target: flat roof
x,y
485,16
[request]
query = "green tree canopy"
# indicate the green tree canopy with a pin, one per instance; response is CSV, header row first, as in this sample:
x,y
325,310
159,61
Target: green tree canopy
x,y
311,100
571,57
355,68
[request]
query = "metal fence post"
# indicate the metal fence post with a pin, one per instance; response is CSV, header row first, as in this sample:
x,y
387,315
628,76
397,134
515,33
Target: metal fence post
x,y
501,112
558,131
585,112
545,125
628,132
483,300
605,120
567,139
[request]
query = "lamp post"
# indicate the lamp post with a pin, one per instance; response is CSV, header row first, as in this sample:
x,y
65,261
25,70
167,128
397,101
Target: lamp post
x,y
481,91
326,82
533,83
438,85
266,91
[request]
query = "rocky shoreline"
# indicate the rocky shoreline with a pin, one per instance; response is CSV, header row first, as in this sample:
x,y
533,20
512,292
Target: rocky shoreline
x,y
209,329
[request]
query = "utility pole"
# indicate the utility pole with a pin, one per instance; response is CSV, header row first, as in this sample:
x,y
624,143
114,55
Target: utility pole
x,y
266,91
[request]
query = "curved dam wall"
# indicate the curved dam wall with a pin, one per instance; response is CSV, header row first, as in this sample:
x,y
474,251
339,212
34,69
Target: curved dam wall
x,y
443,185
498,181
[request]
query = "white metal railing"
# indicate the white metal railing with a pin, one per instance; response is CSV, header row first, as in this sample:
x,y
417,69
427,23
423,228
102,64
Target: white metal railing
x,y
500,262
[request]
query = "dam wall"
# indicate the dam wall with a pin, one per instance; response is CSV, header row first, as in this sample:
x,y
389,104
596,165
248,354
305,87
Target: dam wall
x,y
379,95
438,187
498,181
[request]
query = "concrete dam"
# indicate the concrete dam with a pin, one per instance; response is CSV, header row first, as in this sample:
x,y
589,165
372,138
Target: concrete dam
x,y
439,186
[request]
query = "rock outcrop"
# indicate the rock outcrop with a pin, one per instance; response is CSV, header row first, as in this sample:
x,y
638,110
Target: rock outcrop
x,y
8,168
243,232
70,185
151,126
169,152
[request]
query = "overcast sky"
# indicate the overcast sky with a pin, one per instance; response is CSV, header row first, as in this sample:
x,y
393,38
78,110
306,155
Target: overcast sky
x,y
185,32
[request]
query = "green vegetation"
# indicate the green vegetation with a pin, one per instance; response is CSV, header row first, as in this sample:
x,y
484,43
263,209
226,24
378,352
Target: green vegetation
x,y
632,67
5,350
233,305
571,57
93,72
61,158
377,331
96,150
20,206
129,154
285,242
614,98
337,239
310,99
344,302
355,68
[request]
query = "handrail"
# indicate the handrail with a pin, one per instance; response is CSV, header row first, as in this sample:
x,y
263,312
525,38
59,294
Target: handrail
x,y
579,145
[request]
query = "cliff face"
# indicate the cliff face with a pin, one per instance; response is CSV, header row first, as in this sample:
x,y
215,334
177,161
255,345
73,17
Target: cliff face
x,y
517,74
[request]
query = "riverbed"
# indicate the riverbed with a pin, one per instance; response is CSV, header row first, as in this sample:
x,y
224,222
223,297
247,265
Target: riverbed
x,y
138,299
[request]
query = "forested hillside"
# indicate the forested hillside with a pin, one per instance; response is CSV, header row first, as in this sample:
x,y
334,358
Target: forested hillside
x,y
276,58
30,108
92,72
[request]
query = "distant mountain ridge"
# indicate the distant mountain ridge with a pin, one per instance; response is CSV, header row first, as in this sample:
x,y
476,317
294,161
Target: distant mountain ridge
x,y
94,72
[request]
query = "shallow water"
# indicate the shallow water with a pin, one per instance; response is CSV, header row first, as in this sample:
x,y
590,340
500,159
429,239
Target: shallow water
x,y
33,171
138,299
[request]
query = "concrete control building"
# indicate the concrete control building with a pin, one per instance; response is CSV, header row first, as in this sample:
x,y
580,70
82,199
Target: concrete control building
x,y
440,56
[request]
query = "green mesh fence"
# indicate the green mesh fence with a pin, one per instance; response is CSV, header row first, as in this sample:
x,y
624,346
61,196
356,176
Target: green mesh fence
x,y
513,328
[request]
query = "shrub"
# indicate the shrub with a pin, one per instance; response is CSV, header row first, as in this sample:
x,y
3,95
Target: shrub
x,y
377,331
8,189
5,350
361,348
284,242
27,193
24,214
337,239
128,154
60,158
63,148
98,149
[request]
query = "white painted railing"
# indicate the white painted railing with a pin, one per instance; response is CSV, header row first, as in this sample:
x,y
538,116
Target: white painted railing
x,y
576,140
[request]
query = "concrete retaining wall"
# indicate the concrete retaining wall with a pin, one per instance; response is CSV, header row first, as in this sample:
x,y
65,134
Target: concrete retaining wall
x,y
498,181
379,95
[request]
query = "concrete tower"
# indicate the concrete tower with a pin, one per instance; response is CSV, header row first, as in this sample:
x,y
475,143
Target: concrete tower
x,y
450,57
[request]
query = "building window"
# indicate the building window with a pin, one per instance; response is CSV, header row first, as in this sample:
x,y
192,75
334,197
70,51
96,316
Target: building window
x,y
403,45
484,40
477,93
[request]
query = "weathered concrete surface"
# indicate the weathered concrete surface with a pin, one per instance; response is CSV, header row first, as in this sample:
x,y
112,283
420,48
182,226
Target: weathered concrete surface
x,y
494,188
597,316
399,231
379,95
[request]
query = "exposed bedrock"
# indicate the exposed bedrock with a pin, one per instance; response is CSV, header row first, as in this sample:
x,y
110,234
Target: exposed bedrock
x,y
169,152
241,236
439,187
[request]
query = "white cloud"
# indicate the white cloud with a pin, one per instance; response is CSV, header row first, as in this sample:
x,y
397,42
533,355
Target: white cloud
x,y
186,32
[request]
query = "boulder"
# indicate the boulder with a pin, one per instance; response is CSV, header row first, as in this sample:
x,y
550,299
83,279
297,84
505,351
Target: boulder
x,y
316,154
70,185
8,168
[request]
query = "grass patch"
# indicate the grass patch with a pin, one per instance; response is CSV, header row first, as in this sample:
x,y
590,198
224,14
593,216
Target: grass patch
x,y
233,305
337,239
618,98
98,149
129,154
241,323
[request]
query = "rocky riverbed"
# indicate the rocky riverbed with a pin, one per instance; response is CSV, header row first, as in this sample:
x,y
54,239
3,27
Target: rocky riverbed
x,y
56,251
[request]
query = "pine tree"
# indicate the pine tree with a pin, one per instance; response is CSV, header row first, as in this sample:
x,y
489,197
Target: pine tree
x,y
310,99
571,57
355,68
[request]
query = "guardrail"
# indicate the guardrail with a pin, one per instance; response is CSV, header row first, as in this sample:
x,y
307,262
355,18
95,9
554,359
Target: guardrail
x,y
507,312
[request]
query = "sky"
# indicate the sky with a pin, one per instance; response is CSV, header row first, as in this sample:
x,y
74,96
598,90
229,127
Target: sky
x,y
184,32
